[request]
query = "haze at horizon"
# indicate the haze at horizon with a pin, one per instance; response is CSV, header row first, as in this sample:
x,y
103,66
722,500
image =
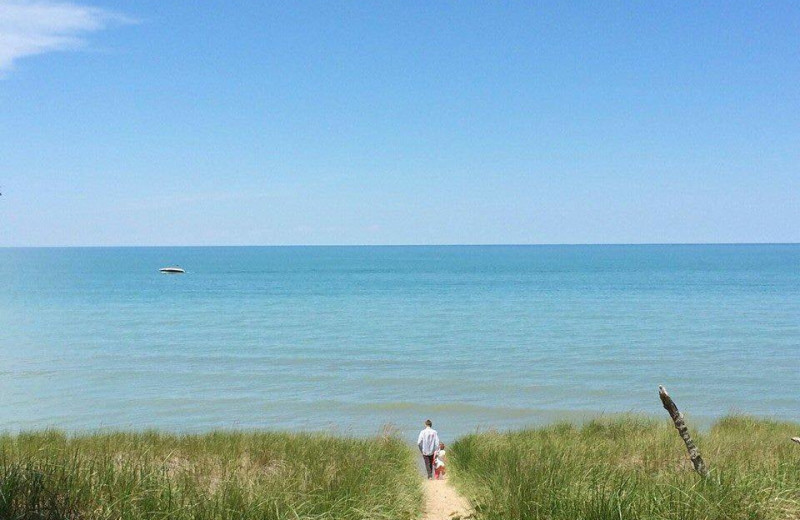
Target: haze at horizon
x,y
151,124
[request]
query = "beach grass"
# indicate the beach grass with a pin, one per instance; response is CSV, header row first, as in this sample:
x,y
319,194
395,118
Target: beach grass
x,y
631,468
220,475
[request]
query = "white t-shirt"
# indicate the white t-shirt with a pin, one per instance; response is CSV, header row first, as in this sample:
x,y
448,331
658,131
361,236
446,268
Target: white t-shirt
x,y
440,458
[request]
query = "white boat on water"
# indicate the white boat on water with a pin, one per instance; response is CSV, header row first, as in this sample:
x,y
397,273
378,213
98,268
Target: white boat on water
x,y
172,270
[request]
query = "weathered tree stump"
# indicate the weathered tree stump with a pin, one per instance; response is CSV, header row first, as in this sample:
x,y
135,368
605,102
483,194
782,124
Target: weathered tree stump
x,y
683,431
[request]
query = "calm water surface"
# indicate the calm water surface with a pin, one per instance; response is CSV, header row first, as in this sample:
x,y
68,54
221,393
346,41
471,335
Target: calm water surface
x,y
351,338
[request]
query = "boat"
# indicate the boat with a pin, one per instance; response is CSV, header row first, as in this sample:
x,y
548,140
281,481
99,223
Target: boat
x,y
172,270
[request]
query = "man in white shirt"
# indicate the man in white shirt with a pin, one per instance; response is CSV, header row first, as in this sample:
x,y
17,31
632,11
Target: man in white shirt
x,y
428,442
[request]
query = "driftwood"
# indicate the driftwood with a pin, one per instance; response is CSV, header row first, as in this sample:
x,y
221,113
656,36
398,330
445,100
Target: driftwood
x,y
683,430
796,439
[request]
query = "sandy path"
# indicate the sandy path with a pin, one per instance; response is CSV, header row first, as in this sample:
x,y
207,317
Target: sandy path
x,y
443,502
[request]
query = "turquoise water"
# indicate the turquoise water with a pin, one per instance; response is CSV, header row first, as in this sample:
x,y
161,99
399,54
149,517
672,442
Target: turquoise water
x,y
352,338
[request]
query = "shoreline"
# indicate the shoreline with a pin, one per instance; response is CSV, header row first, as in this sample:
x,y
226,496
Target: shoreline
x,y
702,423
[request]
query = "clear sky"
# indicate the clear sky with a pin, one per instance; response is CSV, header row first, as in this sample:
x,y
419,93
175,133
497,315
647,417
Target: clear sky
x,y
172,123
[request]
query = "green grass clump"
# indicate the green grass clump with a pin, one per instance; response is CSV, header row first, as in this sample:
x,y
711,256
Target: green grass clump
x,y
218,475
632,468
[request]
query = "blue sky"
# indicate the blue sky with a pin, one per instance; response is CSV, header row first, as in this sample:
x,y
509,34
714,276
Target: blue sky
x,y
168,123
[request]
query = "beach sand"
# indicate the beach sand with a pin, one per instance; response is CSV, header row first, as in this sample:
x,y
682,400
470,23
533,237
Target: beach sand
x,y
443,502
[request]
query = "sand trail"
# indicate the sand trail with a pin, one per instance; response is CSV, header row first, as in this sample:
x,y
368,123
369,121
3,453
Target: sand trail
x,y
443,502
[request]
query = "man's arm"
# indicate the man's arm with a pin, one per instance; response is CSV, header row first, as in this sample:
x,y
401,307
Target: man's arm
x,y
419,441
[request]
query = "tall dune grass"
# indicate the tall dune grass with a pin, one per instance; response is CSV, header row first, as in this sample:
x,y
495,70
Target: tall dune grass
x,y
222,475
632,468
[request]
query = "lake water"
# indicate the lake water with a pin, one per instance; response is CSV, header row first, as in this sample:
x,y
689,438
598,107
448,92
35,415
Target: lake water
x,y
348,339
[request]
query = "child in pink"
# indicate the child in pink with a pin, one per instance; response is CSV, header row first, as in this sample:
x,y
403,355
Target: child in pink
x,y
439,462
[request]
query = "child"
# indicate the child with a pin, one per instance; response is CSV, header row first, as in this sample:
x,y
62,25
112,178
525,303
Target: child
x,y
439,461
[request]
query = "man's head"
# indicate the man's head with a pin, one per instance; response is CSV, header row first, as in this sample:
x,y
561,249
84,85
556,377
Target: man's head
x,y
428,423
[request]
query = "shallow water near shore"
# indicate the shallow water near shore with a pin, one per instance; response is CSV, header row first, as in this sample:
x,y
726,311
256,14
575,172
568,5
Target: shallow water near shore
x,y
351,338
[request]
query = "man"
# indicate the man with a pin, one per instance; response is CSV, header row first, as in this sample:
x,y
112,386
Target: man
x,y
428,441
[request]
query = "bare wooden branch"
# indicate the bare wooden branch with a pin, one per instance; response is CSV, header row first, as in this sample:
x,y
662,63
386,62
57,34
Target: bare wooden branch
x,y
683,430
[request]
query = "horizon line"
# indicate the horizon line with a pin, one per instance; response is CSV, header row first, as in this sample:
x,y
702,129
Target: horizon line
x,y
510,244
